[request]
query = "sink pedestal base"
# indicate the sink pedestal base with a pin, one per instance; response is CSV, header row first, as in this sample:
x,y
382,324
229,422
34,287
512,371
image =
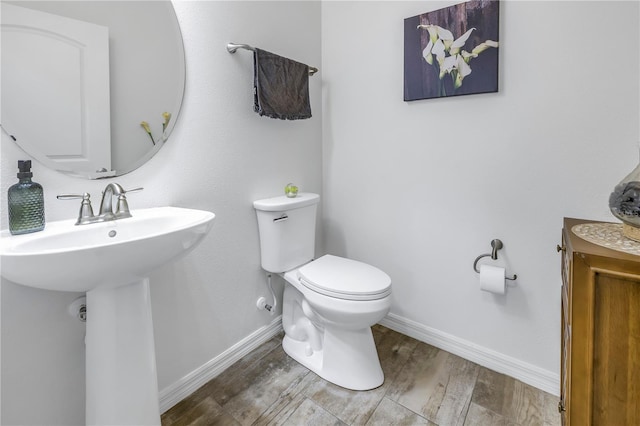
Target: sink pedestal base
x,y
121,378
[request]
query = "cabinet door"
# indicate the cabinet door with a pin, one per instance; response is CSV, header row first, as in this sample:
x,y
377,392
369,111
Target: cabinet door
x,y
616,349
565,362
55,88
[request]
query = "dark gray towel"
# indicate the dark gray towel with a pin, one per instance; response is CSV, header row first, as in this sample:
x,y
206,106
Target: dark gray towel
x,y
281,87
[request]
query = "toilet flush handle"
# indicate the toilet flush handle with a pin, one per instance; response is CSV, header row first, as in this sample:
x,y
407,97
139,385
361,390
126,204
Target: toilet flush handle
x,y
281,218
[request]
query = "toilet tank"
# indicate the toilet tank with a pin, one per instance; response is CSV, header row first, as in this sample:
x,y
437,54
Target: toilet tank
x,y
287,228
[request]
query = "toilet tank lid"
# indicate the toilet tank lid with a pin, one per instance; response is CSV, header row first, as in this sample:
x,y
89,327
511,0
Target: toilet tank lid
x,y
284,203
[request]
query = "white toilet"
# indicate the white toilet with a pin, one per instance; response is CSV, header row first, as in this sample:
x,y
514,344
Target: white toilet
x,y
330,303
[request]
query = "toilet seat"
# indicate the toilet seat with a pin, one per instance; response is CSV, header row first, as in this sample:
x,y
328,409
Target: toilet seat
x,y
343,278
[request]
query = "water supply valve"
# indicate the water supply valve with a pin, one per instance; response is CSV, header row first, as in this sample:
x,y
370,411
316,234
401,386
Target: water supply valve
x,y
78,309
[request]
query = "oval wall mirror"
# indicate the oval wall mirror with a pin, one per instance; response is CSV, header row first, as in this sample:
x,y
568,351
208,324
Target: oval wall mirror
x,y
91,88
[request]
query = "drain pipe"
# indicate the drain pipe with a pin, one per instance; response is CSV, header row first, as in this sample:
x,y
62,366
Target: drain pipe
x,y
262,302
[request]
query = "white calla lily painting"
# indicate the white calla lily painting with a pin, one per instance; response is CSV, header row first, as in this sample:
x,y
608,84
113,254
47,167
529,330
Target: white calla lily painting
x,y
452,51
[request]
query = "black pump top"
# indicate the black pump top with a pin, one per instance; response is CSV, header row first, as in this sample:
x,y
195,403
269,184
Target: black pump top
x,y
24,169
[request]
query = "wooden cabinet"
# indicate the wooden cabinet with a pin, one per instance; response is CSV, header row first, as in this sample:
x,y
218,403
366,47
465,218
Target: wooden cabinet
x,y
600,369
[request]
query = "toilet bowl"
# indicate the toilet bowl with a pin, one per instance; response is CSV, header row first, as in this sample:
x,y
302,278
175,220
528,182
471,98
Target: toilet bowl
x,y
329,303
329,332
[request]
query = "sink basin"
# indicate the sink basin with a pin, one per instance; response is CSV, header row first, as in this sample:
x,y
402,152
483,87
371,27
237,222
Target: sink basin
x,y
111,262
66,257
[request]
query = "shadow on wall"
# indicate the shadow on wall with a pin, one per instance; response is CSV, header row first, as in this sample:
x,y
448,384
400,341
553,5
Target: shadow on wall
x,y
333,232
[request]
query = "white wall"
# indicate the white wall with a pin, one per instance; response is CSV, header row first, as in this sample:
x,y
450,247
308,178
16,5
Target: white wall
x,y
221,157
418,188
421,188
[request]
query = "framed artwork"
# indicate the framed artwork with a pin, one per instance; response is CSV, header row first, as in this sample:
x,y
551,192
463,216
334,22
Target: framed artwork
x,y
452,51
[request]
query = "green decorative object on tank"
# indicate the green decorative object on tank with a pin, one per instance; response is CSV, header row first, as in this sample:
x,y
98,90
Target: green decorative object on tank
x,y
291,190
26,202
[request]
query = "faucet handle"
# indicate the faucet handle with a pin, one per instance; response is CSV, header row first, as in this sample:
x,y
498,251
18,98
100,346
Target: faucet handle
x,y
133,190
86,211
72,196
122,207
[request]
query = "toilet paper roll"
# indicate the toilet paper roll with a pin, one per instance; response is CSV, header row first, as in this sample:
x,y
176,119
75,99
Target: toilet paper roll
x,y
492,279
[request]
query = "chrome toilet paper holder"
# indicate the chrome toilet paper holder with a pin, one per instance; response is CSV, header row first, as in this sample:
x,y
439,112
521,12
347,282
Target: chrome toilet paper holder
x,y
495,246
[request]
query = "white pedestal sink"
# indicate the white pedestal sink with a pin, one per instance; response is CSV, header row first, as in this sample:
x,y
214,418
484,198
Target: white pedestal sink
x,y
111,261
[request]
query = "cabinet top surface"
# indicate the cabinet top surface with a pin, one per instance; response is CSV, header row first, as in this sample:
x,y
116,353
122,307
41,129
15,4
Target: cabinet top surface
x,y
580,245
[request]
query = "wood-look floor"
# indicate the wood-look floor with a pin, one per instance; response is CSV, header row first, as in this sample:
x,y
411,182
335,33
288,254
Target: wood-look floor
x,y
423,386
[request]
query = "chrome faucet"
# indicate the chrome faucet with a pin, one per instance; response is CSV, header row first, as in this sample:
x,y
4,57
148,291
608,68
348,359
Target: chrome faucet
x,y
106,213
106,207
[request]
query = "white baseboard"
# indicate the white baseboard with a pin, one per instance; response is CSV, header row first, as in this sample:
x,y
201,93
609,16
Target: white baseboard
x,y
525,372
184,387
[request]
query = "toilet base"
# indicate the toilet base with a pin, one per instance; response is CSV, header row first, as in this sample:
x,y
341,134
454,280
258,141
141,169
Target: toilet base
x,y
348,358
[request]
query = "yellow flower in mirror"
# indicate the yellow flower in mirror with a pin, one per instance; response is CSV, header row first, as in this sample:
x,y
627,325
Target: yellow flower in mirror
x,y
147,129
167,118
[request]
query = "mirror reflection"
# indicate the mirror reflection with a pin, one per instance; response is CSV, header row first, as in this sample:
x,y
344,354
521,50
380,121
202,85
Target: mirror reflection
x,y
91,88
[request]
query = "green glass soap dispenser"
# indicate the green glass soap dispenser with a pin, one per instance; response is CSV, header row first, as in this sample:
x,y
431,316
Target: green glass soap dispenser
x,y
26,202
